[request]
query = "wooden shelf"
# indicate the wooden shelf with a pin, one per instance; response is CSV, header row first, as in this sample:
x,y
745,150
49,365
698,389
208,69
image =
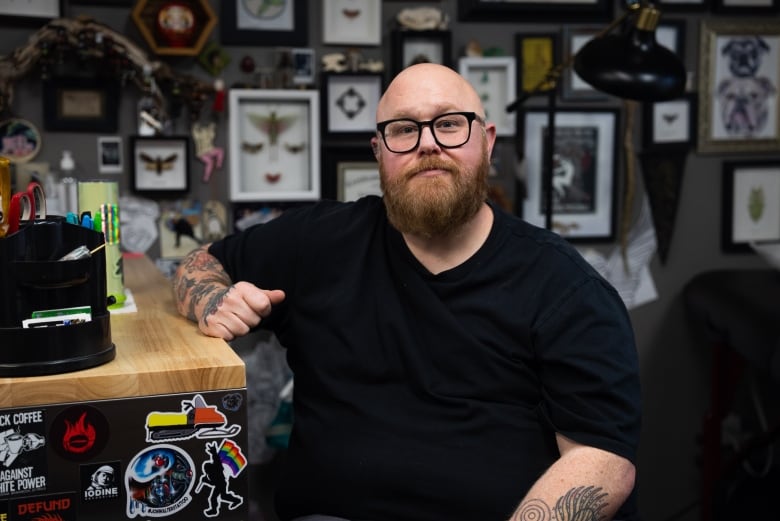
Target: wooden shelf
x,y
145,14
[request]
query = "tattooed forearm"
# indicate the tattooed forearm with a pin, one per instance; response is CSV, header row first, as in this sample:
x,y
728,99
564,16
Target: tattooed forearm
x,y
578,504
199,278
213,303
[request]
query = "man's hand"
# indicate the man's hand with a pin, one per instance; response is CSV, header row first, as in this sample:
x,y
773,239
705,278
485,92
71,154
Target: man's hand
x,y
235,310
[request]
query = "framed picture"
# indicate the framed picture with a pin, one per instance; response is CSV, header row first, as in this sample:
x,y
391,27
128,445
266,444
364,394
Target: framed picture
x,y
534,10
669,124
279,23
274,145
79,104
751,204
303,66
494,80
410,47
739,85
160,165
20,140
30,11
671,34
349,102
583,173
575,88
352,22
536,55
683,5
349,172
746,7
109,154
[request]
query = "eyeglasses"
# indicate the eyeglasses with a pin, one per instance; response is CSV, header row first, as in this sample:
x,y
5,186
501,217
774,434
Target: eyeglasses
x,y
450,130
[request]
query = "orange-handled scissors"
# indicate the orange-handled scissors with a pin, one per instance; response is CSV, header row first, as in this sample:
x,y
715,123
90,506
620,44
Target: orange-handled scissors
x,y
21,206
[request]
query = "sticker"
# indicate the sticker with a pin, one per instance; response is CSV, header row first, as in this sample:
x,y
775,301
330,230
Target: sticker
x,y
232,402
59,507
79,433
226,462
22,462
195,420
100,481
158,481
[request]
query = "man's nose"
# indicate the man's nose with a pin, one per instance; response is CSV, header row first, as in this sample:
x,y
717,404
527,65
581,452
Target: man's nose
x,y
427,140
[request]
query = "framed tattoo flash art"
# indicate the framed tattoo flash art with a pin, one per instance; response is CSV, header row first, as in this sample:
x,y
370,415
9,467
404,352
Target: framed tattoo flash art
x,y
410,47
584,166
751,204
160,165
352,22
739,84
533,10
274,145
494,80
349,102
279,23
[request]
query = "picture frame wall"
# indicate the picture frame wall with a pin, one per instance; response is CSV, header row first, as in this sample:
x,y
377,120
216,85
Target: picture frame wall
x,y
159,165
750,204
494,80
274,145
739,99
584,171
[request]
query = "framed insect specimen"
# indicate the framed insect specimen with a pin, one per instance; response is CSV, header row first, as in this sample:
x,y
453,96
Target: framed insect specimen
x,y
352,22
750,205
274,145
410,47
280,23
349,102
160,164
669,124
493,78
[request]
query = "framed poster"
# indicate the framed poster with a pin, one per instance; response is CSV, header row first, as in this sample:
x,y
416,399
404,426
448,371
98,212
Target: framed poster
x,y
160,164
79,104
349,102
739,85
278,23
750,204
534,10
352,22
274,145
494,80
583,175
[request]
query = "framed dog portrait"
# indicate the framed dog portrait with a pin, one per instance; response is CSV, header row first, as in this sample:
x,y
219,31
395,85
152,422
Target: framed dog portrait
x,y
494,80
584,163
739,85
751,204
274,145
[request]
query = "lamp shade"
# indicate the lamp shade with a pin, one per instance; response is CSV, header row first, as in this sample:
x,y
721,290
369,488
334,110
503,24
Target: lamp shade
x,y
632,64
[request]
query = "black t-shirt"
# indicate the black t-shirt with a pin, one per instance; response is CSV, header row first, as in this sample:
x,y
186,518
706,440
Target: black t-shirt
x,y
430,397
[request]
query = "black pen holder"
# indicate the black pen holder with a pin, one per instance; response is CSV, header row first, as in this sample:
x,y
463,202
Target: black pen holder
x,y
33,278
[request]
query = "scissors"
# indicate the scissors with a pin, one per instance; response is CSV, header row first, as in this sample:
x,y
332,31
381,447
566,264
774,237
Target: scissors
x,y
20,206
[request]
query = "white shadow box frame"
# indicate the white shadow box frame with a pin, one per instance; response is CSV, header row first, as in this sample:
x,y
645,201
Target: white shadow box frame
x,y
751,204
349,102
739,103
274,145
584,174
574,87
494,78
160,164
352,22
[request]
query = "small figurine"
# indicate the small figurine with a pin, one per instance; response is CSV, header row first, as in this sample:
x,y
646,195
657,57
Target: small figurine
x,y
211,156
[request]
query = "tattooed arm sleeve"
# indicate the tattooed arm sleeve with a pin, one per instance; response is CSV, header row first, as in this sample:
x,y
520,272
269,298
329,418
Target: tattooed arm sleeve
x,y
199,282
585,483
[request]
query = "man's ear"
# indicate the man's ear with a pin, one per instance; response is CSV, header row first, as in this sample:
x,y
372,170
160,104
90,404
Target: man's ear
x,y
375,147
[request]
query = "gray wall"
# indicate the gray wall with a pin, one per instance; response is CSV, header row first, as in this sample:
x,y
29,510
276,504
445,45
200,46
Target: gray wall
x,y
674,364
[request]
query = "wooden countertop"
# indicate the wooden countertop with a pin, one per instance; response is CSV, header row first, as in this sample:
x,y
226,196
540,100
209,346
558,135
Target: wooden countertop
x,y
157,352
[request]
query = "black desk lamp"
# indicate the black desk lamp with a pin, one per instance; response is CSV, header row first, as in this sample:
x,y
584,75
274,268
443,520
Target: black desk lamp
x,y
629,64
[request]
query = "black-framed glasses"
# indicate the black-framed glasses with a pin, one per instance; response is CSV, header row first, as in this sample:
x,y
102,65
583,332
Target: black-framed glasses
x,y
450,130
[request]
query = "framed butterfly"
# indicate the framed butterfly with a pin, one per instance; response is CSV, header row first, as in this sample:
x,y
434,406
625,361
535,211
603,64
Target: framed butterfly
x,y
158,164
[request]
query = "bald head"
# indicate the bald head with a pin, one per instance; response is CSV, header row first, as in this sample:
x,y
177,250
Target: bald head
x,y
426,89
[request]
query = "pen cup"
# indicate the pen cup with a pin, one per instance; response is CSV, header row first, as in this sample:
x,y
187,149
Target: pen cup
x,y
101,199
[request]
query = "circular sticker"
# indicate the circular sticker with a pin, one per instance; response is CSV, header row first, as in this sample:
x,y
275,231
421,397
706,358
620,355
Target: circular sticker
x,y
79,433
21,141
158,481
